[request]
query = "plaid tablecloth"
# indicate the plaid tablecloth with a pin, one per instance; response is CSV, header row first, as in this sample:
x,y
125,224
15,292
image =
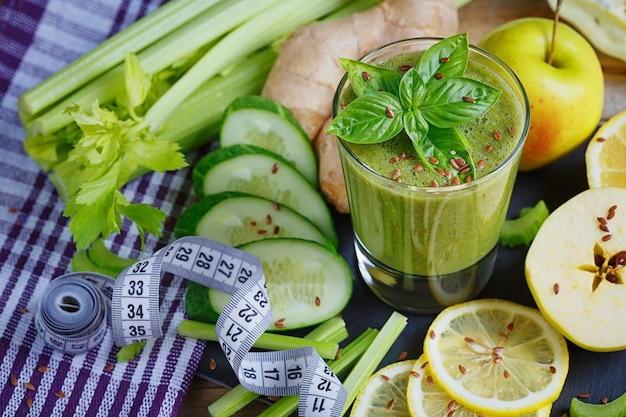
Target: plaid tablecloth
x,y
37,38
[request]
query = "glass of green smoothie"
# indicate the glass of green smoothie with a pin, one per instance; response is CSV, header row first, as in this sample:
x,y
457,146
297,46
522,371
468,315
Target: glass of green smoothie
x,y
430,156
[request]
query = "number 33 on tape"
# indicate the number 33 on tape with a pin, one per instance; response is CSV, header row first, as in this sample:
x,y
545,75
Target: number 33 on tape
x,y
135,317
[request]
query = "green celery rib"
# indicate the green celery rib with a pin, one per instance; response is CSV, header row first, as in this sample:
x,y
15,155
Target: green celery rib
x,y
285,406
200,114
168,52
128,352
266,27
109,53
196,121
354,7
269,341
375,353
332,330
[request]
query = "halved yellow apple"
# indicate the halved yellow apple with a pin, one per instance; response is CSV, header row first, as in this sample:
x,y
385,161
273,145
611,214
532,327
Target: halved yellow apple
x,y
576,268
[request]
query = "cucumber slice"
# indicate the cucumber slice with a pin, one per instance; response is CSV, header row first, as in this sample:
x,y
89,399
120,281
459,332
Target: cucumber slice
x,y
257,171
235,218
261,121
307,283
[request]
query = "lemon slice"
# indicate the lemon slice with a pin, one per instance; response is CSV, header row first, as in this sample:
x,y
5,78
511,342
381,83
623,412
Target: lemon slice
x,y
384,393
606,153
497,357
425,398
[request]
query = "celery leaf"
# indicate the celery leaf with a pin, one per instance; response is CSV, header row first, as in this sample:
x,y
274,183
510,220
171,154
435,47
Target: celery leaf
x,y
112,147
137,82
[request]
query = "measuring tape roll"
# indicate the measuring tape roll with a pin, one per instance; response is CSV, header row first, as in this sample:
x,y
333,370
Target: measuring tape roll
x,y
74,310
134,313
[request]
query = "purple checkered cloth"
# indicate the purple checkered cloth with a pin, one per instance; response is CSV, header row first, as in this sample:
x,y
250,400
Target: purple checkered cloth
x,y
37,38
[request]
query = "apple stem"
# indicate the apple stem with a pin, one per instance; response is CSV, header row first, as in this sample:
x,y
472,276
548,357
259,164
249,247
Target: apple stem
x,y
557,11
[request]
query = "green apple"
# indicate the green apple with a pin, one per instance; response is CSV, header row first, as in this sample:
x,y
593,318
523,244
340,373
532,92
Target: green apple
x,y
576,269
566,95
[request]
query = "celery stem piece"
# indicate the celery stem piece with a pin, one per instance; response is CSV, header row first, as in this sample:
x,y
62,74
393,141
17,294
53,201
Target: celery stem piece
x,y
128,352
332,330
353,7
269,341
109,53
375,353
238,397
349,355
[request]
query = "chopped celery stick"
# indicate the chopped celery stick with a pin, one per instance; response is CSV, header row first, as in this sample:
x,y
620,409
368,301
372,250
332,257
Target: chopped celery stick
x,y
269,341
375,353
238,397
109,53
128,352
522,231
234,400
332,330
349,355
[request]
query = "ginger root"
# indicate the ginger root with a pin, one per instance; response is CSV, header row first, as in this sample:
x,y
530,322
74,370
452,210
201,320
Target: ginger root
x,y
307,71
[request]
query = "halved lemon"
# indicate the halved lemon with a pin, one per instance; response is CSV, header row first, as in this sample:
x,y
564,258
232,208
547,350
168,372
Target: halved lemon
x,y
497,357
606,153
384,393
425,398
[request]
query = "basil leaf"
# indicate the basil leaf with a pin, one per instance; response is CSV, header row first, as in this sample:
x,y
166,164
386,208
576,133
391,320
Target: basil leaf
x,y
417,129
367,119
447,57
452,144
452,102
412,90
377,78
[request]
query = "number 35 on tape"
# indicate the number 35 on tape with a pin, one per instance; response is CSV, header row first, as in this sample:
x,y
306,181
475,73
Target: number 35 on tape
x,y
134,312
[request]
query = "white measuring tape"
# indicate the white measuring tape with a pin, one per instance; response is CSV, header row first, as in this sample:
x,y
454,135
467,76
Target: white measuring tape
x,y
75,308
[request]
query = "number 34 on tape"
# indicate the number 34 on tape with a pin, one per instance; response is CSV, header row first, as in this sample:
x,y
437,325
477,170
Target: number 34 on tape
x,y
135,316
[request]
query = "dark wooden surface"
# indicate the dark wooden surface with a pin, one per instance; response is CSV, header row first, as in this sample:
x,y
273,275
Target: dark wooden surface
x,y
478,18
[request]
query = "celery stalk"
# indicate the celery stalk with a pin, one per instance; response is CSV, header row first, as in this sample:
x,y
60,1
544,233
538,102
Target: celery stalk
x,y
349,355
332,330
118,141
375,353
109,53
234,400
238,397
196,120
354,7
195,37
128,352
260,31
269,341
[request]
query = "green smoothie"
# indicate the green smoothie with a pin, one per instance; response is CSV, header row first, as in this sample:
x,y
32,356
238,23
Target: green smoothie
x,y
411,222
